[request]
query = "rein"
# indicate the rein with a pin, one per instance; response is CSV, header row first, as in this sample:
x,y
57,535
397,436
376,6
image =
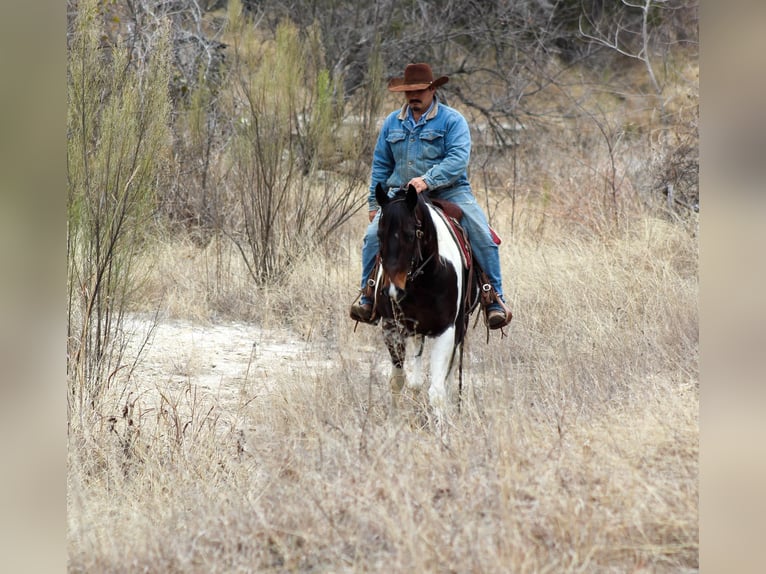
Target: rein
x,y
419,271
416,271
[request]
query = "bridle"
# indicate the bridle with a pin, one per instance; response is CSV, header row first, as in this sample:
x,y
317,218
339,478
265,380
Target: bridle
x,y
417,262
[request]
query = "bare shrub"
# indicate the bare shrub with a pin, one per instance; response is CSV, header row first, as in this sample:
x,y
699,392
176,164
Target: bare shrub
x,y
291,192
118,138
676,167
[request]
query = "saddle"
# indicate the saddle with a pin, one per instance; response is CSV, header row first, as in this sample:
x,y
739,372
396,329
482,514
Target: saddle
x,y
452,214
453,211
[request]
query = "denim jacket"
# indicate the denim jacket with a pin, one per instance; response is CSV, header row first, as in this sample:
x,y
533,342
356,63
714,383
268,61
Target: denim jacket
x,y
438,149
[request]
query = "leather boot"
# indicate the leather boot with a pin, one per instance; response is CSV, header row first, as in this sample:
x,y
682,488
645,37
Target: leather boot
x,y
498,314
362,312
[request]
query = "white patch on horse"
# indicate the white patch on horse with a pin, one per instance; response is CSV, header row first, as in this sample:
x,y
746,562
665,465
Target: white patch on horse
x,y
449,250
443,345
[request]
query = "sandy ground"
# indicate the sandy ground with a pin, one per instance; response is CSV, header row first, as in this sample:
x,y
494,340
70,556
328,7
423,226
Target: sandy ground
x,y
222,359
230,363
218,358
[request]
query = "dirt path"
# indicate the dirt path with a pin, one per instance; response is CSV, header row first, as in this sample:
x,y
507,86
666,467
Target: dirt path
x,y
219,358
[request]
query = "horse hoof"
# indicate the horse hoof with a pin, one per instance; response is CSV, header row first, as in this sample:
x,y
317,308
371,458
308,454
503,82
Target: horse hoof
x,y
397,383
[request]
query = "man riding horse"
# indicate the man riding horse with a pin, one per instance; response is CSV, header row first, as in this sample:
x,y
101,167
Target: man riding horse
x,y
427,144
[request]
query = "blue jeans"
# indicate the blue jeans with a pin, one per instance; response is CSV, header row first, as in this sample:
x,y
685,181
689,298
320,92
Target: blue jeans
x,y
474,221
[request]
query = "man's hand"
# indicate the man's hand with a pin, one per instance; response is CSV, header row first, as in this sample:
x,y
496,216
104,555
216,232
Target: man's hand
x,y
418,183
371,214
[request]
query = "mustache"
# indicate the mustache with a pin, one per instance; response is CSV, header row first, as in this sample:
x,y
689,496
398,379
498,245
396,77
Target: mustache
x,y
415,101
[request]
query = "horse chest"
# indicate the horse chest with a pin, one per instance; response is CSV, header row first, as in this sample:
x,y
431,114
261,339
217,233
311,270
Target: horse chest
x,y
429,303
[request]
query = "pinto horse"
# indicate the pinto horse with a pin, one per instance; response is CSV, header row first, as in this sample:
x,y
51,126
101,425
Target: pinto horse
x,y
424,290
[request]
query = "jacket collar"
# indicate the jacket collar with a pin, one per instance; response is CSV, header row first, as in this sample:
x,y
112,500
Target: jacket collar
x,y
431,114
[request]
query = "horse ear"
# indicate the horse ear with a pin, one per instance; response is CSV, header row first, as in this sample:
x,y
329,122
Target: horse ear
x,y
380,195
412,197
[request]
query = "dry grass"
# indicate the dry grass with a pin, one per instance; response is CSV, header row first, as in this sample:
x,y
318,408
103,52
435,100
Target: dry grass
x,y
576,449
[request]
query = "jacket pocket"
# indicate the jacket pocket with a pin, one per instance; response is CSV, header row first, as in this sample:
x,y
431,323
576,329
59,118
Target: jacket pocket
x,y
395,136
433,144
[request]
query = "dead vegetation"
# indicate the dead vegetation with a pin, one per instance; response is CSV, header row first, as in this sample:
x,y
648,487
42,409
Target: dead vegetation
x,y
245,426
576,447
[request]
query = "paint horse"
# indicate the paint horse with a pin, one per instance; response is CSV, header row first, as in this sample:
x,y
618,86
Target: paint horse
x,y
424,290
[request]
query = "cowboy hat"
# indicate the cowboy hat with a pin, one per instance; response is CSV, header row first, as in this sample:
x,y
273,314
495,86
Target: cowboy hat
x,y
416,77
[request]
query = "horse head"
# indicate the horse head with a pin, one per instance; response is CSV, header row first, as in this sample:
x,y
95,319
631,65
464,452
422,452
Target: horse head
x,y
403,233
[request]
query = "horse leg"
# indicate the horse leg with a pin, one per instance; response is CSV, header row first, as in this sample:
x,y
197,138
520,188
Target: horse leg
x,y
396,381
396,349
441,369
417,378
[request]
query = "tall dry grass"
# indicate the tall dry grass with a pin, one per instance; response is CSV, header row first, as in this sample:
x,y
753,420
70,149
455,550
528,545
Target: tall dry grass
x,y
575,450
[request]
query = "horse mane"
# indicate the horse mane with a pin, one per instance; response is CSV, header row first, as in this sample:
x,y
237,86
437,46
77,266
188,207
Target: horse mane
x,y
424,202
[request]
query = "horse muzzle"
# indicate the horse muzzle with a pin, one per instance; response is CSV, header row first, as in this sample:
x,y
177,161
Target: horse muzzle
x,y
395,284
400,280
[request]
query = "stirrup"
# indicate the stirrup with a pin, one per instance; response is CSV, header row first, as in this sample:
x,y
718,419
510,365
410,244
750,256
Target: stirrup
x,y
361,314
504,309
489,298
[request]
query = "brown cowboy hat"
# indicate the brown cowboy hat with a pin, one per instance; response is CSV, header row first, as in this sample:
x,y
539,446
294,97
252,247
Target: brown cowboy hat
x,y
416,77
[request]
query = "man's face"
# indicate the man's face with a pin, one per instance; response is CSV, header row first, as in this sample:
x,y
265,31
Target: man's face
x,y
420,100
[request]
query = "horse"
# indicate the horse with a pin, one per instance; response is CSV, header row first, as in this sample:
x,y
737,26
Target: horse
x,y
424,290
